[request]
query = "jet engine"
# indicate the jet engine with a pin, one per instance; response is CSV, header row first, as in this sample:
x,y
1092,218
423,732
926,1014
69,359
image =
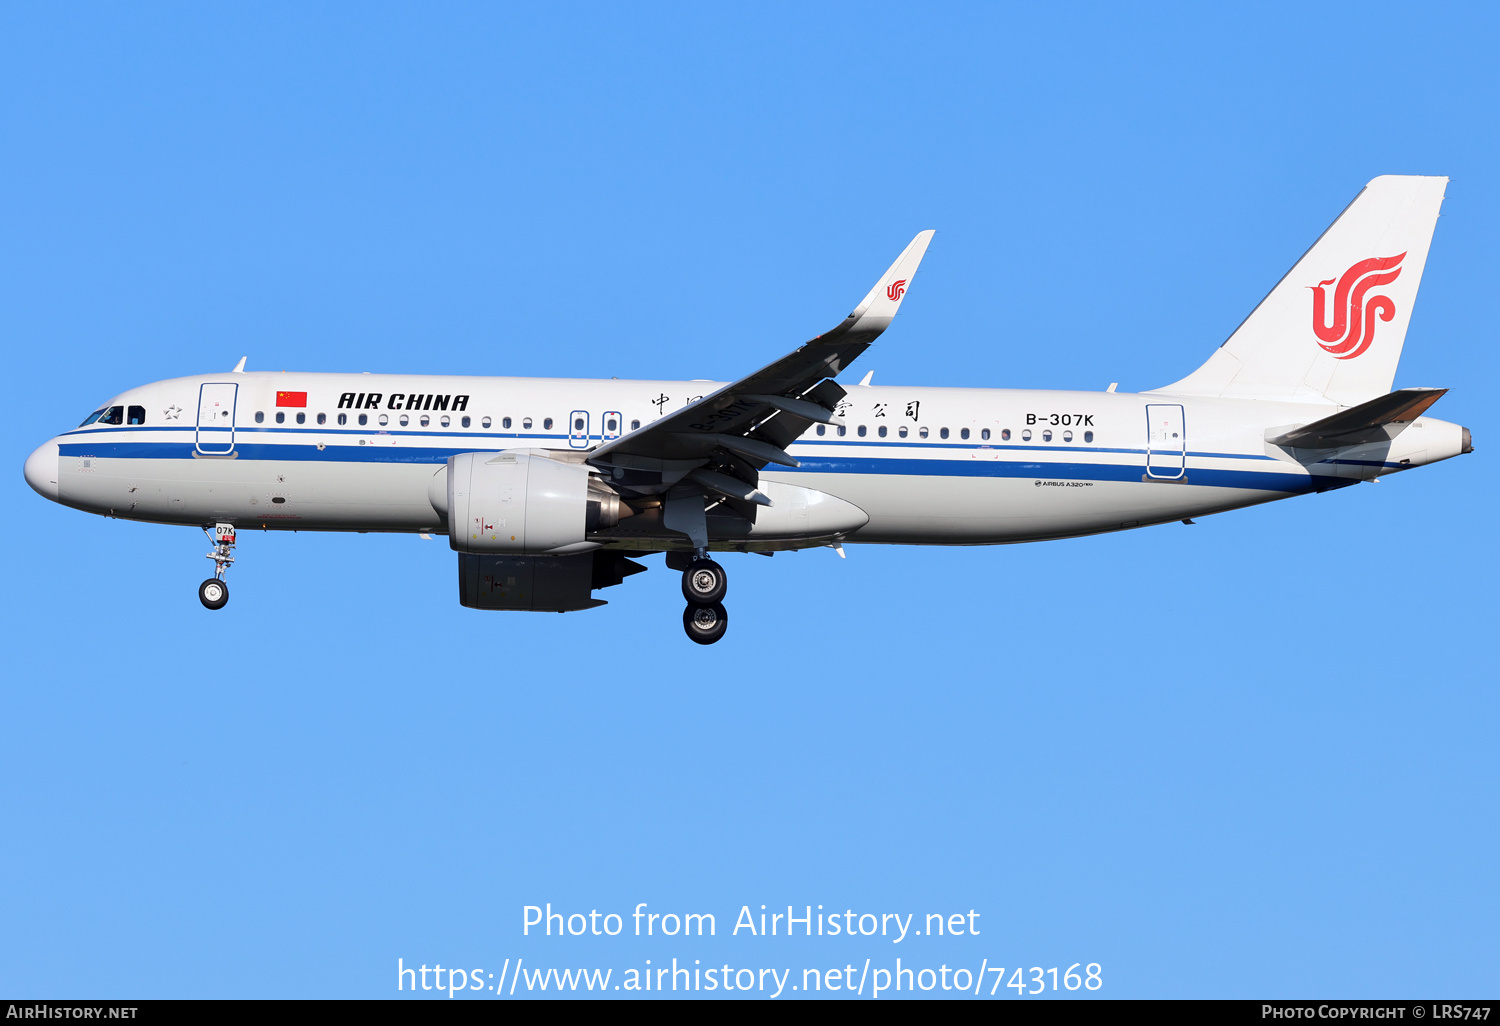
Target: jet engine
x,y
522,502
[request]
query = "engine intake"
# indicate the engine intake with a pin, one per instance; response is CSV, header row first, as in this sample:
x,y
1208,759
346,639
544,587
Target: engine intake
x,y
522,502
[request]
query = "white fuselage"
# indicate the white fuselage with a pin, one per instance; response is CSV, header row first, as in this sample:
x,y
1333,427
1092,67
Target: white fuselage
x,y
958,466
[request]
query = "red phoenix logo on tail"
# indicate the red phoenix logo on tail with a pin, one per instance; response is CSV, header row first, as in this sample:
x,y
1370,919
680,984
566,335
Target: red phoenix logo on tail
x,y
896,290
1353,327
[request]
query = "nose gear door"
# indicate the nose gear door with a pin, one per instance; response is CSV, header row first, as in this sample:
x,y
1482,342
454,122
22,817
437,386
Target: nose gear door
x,y
216,418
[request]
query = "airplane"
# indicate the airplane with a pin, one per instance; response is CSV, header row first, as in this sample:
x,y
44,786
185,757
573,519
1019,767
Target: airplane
x,y
546,487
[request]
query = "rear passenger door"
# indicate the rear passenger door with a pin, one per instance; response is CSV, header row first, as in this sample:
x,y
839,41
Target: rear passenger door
x,y
1166,441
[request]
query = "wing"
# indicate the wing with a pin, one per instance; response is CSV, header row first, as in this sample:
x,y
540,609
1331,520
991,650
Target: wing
x,y
749,423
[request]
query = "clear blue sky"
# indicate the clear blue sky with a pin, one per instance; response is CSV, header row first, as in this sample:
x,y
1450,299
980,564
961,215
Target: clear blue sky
x,y
1250,757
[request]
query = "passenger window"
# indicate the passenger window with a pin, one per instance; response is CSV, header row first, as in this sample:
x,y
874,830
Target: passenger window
x,y
91,418
1088,436
425,420
445,421
861,431
882,431
483,423
405,420
322,418
137,415
343,418
384,420
1005,434
526,424
1026,435
1067,436
465,421
984,435
547,424
963,433
922,432
1046,436
842,430
364,418
280,417
505,422
901,431
822,429
260,416
942,432
301,418
635,425
113,415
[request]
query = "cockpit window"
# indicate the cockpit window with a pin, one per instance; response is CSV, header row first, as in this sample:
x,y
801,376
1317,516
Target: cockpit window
x,y
91,418
136,415
113,415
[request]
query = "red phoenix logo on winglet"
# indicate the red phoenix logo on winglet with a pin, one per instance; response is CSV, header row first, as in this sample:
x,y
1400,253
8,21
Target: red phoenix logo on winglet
x,y
1353,327
897,289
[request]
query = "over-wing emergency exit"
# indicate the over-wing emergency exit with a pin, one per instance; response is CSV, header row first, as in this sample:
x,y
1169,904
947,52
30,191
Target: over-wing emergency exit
x,y
546,488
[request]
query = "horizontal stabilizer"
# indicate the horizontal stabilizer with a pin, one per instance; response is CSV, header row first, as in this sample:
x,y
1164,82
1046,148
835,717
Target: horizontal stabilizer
x,y
1378,420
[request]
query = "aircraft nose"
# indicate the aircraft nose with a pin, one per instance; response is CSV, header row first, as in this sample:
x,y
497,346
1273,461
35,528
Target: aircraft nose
x,y
41,470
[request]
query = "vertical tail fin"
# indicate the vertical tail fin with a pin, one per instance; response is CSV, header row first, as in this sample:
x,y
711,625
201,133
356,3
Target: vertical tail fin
x,y
1331,330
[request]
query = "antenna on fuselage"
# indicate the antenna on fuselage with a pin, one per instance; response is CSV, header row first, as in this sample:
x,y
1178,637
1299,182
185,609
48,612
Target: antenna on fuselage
x,y
239,368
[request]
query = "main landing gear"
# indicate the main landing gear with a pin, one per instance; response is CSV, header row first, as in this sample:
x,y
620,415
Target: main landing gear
x,y
703,585
214,592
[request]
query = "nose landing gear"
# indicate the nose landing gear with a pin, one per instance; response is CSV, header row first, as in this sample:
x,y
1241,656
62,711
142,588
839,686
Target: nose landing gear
x,y
214,592
703,585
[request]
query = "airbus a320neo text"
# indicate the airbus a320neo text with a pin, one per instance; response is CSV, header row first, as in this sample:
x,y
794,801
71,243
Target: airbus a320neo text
x,y
546,488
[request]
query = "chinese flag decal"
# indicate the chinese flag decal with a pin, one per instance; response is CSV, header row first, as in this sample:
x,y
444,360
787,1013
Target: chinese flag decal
x,y
291,398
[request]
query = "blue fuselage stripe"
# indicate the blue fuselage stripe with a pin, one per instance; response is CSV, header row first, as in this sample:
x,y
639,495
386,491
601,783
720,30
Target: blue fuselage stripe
x,y
216,436
859,458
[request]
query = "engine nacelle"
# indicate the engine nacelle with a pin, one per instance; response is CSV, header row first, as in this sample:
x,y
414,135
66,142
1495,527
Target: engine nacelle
x,y
522,502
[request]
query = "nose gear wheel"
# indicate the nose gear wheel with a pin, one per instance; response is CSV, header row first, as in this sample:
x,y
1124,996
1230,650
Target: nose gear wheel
x,y
213,593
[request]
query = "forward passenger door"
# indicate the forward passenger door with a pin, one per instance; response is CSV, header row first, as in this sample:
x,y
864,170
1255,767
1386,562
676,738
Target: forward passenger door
x,y
216,418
